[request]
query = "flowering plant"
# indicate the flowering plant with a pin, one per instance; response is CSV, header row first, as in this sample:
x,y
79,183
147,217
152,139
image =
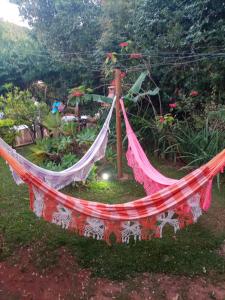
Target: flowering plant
x,y
124,44
194,93
172,105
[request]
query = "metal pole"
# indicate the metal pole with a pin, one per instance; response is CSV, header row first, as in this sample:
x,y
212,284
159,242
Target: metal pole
x,y
118,124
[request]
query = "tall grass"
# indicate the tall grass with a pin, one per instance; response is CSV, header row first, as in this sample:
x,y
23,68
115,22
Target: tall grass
x,y
197,147
192,145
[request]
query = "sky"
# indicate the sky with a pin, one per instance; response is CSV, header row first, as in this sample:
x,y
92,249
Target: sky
x,y
10,12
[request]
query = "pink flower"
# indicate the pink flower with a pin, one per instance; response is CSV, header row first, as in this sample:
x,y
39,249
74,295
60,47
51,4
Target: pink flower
x,y
172,105
123,44
161,120
123,74
194,93
135,55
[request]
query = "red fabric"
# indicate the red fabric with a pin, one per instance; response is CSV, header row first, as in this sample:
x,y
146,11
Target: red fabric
x,y
139,218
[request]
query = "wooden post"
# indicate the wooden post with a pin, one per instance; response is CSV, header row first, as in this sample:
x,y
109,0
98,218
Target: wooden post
x,y
118,123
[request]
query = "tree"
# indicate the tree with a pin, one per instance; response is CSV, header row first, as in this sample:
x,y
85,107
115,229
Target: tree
x,y
21,59
20,107
174,35
69,29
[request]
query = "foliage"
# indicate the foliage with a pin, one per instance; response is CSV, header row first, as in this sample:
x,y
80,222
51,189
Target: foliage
x,y
96,98
86,137
66,27
111,155
51,165
199,146
171,53
67,161
163,31
64,143
76,94
19,59
7,132
41,150
69,129
53,123
181,140
51,148
21,108
216,116
6,123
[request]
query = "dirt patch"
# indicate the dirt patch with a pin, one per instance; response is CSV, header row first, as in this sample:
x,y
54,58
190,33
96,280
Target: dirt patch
x,y
214,219
68,281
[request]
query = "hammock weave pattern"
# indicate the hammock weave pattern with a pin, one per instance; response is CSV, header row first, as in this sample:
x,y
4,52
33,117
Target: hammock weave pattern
x,y
144,173
178,205
78,172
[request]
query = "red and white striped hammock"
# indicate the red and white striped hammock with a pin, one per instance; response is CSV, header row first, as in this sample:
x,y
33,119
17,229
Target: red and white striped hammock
x,y
177,204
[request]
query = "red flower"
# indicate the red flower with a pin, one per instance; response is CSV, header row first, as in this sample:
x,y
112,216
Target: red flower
x,y
194,93
172,105
135,55
77,94
161,120
123,74
109,55
123,44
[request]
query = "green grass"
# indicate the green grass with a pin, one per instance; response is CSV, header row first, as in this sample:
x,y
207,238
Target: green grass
x,y
194,251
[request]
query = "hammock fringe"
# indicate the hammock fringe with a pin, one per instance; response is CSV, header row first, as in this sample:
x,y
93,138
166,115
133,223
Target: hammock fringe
x,y
177,205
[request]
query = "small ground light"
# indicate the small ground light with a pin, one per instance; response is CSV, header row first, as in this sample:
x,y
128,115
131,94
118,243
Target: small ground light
x,y
105,176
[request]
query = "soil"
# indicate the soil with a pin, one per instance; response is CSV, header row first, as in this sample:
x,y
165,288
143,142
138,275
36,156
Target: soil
x,y
20,279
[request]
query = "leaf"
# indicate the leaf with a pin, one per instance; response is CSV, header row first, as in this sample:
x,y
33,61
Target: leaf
x,y
89,90
154,92
135,89
114,58
149,93
97,98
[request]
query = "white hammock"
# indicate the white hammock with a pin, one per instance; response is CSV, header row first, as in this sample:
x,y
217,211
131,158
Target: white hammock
x,y
78,172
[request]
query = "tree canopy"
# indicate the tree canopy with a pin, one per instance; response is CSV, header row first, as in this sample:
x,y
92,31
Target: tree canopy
x,y
180,41
22,60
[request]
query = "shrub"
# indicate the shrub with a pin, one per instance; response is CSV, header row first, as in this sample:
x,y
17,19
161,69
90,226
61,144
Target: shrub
x,y
197,147
7,132
86,137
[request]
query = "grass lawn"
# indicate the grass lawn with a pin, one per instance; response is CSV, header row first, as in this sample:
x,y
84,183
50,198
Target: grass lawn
x,y
193,251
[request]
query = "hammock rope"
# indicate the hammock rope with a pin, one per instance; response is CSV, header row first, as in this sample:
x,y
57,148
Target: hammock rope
x,y
78,172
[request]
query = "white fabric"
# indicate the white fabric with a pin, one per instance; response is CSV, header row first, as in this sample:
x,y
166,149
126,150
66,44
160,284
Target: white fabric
x,y
78,172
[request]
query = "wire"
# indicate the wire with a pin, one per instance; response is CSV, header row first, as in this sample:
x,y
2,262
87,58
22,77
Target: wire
x,y
151,53
176,59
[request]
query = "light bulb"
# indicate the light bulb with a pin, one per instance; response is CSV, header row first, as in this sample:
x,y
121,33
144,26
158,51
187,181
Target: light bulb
x,y
105,176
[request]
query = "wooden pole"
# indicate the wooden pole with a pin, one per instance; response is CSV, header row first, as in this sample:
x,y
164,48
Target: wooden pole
x,y
118,124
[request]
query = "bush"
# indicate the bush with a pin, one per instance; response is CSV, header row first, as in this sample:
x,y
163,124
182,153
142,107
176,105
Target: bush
x,y
67,161
86,137
7,132
197,147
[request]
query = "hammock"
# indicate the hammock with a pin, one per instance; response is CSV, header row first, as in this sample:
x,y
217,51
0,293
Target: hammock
x,y
178,205
144,173
78,172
